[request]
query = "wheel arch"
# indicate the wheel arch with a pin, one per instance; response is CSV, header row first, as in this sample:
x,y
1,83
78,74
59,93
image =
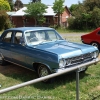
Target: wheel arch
x,y
94,42
36,65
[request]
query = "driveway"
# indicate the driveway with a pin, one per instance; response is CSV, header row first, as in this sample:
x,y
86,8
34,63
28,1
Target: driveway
x,y
73,37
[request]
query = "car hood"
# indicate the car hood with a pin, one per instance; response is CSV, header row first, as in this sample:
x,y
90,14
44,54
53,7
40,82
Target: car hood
x,y
66,49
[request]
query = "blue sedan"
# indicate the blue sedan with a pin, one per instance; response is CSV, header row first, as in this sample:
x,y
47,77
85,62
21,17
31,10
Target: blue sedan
x,y
43,50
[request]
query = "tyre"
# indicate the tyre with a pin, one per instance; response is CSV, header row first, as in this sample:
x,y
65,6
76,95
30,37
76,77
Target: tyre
x,y
2,61
44,71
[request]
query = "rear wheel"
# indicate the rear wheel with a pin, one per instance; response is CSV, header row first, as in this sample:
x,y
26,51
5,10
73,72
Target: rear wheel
x,y
44,71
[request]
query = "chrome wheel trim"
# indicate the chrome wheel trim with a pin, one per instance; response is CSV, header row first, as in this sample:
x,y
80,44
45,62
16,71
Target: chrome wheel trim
x,y
43,71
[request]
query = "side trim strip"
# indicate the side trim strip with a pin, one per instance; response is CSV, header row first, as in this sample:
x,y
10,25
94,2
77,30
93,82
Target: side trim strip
x,y
19,65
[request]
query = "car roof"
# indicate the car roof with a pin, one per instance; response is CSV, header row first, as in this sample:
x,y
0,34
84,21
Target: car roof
x,y
30,28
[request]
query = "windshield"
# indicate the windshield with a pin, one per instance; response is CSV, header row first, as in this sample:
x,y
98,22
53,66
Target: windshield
x,y
41,36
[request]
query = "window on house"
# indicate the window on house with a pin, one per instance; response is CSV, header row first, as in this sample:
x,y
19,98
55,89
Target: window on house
x,y
47,20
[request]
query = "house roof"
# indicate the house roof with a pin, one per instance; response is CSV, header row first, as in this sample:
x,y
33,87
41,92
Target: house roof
x,y
49,11
10,13
20,12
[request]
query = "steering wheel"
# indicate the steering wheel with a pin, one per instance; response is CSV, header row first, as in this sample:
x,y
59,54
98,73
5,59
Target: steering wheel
x,y
33,39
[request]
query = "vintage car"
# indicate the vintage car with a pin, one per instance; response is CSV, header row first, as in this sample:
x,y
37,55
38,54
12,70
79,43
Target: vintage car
x,y
92,38
43,50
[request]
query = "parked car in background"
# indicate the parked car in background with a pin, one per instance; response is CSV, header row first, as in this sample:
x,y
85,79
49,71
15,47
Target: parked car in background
x,y
43,50
92,38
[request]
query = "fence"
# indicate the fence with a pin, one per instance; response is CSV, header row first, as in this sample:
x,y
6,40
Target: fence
x,y
51,76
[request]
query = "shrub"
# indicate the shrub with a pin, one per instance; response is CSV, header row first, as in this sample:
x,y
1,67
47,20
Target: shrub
x,y
8,24
5,22
3,18
4,5
71,23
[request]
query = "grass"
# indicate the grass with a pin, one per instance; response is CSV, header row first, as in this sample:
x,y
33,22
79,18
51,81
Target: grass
x,y
63,88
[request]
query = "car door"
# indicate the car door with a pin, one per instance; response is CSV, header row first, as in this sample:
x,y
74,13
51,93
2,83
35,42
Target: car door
x,y
5,45
18,51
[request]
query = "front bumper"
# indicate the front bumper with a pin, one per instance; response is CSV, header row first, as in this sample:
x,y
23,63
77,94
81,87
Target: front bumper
x,y
80,66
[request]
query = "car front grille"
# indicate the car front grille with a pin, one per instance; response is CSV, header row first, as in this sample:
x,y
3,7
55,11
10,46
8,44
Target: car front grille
x,y
79,59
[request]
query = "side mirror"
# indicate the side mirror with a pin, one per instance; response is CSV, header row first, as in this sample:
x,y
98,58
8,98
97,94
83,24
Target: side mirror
x,y
22,42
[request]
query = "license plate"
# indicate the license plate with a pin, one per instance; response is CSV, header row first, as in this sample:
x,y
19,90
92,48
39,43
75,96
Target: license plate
x,y
82,69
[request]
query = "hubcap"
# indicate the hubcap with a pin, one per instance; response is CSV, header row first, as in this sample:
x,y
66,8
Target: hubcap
x,y
43,71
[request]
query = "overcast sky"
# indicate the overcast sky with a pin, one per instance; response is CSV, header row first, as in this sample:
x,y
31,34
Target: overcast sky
x,y
50,2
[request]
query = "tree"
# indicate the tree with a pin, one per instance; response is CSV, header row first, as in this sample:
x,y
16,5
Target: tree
x,y
73,7
93,8
86,15
58,8
96,16
18,4
36,10
91,4
36,1
81,18
11,3
4,5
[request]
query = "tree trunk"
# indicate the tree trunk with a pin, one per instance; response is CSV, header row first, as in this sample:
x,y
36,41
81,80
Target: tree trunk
x,y
35,21
58,19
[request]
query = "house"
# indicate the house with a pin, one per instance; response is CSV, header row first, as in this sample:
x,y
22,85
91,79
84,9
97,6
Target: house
x,y
19,19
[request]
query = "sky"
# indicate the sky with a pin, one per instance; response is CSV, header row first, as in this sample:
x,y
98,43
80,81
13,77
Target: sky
x,y
50,2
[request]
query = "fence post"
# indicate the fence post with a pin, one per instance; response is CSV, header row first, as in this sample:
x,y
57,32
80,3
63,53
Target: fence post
x,y
77,84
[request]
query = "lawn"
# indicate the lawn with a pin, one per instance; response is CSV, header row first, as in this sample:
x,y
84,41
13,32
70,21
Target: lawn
x,y
64,30
63,88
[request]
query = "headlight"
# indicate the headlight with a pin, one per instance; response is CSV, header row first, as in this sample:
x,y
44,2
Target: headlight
x,y
95,54
62,63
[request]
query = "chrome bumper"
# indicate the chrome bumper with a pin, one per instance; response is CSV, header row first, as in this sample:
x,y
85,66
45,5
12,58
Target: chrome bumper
x,y
80,66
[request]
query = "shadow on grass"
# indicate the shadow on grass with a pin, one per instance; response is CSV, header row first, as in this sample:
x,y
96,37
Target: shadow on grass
x,y
59,80
24,75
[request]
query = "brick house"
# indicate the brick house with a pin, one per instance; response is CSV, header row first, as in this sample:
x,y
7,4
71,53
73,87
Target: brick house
x,y
19,19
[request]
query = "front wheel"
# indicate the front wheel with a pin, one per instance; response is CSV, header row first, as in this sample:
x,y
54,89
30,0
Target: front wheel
x,y
44,71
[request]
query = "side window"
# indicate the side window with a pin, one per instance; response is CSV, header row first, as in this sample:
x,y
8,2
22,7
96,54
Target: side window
x,y
17,37
7,38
